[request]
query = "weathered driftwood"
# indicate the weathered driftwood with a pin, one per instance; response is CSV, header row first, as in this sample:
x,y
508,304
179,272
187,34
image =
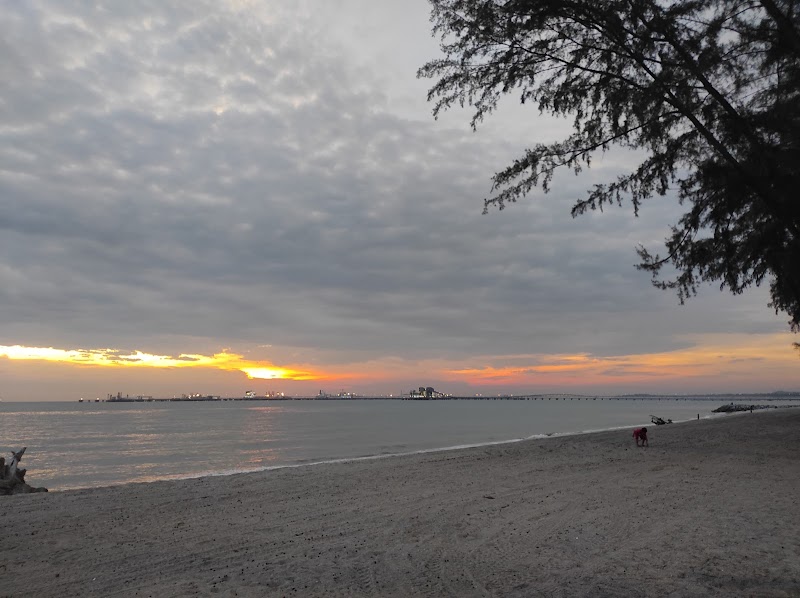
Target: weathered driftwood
x,y
12,477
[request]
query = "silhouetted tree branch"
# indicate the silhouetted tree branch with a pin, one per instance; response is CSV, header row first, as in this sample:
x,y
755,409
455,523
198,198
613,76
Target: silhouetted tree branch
x,y
709,89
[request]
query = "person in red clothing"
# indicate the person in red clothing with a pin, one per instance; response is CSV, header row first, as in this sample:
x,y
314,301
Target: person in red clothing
x,y
640,434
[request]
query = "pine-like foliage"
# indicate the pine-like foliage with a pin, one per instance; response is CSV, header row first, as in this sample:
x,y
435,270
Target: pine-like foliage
x,y
708,89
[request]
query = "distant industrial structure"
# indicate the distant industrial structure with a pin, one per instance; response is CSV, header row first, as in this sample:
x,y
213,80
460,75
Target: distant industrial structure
x,y
339,395
425,392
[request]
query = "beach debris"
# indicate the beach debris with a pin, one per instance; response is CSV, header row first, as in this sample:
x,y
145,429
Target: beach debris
x,y
12,477
659,421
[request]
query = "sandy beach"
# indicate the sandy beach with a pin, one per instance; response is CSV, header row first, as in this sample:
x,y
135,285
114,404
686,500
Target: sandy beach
x,y
709,509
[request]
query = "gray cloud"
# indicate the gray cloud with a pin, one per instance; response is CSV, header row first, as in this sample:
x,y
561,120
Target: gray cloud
x,y
198,170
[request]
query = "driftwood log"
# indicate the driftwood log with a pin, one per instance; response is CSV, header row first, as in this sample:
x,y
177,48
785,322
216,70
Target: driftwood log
x,y
12,476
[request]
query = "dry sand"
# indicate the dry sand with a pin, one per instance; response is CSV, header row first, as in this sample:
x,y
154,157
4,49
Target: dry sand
x,y
710,509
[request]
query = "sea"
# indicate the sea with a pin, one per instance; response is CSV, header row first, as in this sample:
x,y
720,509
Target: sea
x,y
82,445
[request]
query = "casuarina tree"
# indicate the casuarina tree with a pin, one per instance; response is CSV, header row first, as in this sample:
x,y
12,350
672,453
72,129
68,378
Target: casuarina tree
x,y
708,91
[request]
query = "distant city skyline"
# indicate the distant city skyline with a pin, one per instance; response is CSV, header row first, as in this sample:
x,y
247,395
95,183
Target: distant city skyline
x,y
223,196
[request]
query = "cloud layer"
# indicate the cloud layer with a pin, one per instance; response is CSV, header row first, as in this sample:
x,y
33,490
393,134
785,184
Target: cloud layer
x,y
184,177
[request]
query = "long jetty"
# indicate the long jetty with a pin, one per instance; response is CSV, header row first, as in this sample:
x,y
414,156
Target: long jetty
x,y
509,397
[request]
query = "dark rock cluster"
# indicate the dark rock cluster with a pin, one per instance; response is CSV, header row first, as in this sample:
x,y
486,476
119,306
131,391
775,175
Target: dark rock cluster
x,y
731,407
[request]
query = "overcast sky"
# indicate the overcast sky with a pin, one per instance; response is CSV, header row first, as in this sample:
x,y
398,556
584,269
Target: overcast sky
x,y
194,191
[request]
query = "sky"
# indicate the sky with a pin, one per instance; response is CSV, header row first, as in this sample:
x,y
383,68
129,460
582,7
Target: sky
x,y
220,196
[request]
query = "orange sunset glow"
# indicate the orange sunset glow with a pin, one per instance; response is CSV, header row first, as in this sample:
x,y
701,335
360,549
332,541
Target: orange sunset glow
x,y
725,356
115,358
753,361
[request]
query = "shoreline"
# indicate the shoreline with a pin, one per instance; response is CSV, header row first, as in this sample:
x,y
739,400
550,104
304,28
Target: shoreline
x,y
93,470
316,463
707,510
425,451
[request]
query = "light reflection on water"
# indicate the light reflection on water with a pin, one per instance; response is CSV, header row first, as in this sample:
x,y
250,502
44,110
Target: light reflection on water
x,y
78,445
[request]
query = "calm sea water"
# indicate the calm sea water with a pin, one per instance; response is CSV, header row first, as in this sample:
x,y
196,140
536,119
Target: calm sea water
x,y
76,445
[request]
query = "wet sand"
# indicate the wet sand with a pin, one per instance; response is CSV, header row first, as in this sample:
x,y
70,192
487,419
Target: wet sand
x,y
709,509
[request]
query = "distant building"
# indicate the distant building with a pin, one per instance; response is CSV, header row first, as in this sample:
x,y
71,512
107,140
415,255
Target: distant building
x,y
425,392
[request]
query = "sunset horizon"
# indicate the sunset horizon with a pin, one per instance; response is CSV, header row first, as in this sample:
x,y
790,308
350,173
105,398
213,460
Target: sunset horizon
x,y
720,364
